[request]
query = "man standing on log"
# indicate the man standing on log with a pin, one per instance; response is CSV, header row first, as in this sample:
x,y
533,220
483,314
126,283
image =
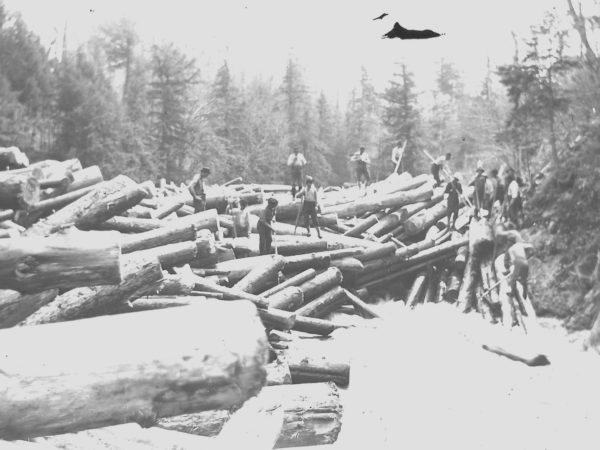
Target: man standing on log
x,y
397,153
296,163
241,220
517,266
453,189
515,203
310,205
361,161
198,189
264,228
479,183
437,165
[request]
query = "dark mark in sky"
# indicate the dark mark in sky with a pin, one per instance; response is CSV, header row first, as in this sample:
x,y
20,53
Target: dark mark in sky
x,y
402,33
381,16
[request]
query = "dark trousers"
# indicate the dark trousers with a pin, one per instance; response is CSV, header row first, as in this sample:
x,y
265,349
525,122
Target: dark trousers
x,y
435,171
514,211
520,273
199,205
296,175
265,238
362,171
479,202
309,211
452,214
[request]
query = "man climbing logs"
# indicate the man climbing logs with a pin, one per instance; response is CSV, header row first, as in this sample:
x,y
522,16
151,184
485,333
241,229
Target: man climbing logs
x,y
198,189
437,165
296,162
361,162
310,205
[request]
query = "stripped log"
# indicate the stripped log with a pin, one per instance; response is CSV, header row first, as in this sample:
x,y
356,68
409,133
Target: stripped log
x,y
167,209
18,191
312,415
377,252
324,304
288,299
213,358
364,224
261,276
158,237
321,283
15,307
466,295
139,278
298,245
424,219
130,224
296,280
77,259
106,200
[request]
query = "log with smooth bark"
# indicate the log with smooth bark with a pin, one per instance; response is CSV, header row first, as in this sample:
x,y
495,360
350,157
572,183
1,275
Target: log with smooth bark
x,y
15,307
317,368
424,219
261,276
348,266
503,289
236,269
169,234
205,220
213,358
365,309
170,255
321,283
130,224
299,245
167,208
417,289
33,264
139,278
377,252
466,295
297,263
312,415
277,318
296,280
364,224
312,325
203,284
104,201
324,304
288,299
18,191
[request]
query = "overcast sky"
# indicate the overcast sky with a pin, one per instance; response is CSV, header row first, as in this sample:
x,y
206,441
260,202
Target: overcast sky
x,y
332,39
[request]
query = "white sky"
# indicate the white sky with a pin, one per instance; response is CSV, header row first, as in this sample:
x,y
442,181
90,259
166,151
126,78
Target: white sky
x,y
332,39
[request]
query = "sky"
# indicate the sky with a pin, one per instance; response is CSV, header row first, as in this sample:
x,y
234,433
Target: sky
x,y
331,39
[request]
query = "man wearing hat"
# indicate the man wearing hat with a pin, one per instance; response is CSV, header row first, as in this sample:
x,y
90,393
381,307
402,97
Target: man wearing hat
x,y
310,205
296,162
517,266
453,189
479,183
198,189
264,226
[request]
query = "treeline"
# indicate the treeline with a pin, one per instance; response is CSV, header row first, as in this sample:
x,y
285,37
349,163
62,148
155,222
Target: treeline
x,y
152,112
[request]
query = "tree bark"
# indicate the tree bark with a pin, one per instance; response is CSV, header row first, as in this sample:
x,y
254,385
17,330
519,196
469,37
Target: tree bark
x,y
317,369
205,220
312,325
80,179
139,278
377,252
298,263
312,415
106,200
77,259
288,299
296,280
261,276
169,234
15,307
324,304
213,358
348,266
170,255
130,224
364,224
415,295
18,191
424,219
321,283
298,245
364,308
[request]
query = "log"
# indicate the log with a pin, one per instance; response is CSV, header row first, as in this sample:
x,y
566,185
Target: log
x,y
348,266
312,325
364,308
312,415
259,277
170,255
277,318
299,263
298,246
167,209
503,290
202,284
86,177
138,211
158,237
205,220
317,369
278,373
488,279
377,252
453,286
364,224
296,280
157,302
424,219
176,285
466,294
7,214
324,304
130,224
139,277
34,264
213,358
18,191
12,158
415,294
236,269
321,283
288,299
106,200
15,307
481,238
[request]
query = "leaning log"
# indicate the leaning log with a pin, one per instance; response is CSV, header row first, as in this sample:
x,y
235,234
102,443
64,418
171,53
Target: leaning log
x,y
169,234
503,290
18,191
466,295
321,283
417,290
15,307
261,276
213,358
365,309
34,264
205,220
312,415
324,304
296,280
106,200
139,277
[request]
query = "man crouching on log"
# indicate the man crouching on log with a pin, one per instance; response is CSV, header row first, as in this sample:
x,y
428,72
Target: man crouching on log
x,y
264,228
310,205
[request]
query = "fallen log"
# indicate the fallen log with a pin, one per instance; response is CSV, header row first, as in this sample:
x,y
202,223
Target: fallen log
x,y
175,285
14,306
83,178
205,220
129,224
299,246
348,266
377,252
312,415
7,214
288,299
18,191
317,369
324,304
77,259
488,279
503,293
296,280
139,277
278,373
12,158
321,283
523,355
453,288
364,224
139,212
299,263
157,302
167,209
236,269
213,358
424,219
466,295
358,303
106,200
169,234
258,278
170,255
312,325
415,294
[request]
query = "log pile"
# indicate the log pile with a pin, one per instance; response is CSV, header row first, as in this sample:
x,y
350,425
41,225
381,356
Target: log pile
x,y
78,247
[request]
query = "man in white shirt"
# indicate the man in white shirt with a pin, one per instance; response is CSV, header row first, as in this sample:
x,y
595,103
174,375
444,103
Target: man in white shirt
x,y
296,163
361,160
515,203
